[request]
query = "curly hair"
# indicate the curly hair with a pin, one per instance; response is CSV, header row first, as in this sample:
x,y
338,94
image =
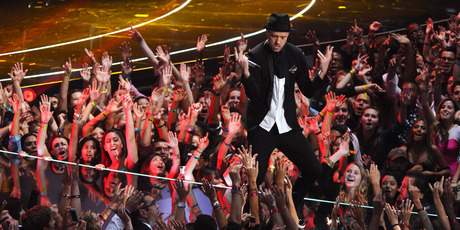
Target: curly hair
x,y
37,217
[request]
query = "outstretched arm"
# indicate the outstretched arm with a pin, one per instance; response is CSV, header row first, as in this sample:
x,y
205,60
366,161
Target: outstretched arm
x,y
131,144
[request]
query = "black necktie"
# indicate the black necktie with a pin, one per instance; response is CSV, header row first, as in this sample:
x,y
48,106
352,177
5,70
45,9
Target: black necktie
x,y
277,62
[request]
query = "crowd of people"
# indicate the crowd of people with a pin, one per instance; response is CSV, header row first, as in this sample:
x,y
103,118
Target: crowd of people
x,y
186,153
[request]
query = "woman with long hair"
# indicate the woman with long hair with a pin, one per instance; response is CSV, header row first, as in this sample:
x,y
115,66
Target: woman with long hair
x,y
422,154
446,133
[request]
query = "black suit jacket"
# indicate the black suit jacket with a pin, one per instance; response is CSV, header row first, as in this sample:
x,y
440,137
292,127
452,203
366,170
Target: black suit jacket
x,y
259,86
137,225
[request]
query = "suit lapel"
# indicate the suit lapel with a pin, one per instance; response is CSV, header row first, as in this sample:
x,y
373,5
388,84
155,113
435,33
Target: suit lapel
x,y
271,78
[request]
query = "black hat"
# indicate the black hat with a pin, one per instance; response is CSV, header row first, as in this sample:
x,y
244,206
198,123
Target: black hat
x,y
279,22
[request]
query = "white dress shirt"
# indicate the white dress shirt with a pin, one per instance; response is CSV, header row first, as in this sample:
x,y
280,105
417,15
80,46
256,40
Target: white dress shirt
x,y
276,112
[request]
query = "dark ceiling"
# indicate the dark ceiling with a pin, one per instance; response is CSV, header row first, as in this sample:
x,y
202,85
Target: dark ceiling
x,y
32,24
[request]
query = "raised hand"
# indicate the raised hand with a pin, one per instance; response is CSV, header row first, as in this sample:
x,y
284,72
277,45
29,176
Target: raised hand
x,y
325,59
94,91
166,74
234,124
135,35
375,26
102,73
242,44
208,190
127,68
15,102
125,49
249,162
106,60
225,111
196,109
313,124
219,81
181,189
137,110
163,53
85,72
235,173
179,94
124,84
406,210
127,102
405,97
46,113
429,26
17,72
312,38
203,143
403,40
185,72
201,43
242,63
90,55
392,214
172,140
84,96
357,31
374,174
266,196
198,73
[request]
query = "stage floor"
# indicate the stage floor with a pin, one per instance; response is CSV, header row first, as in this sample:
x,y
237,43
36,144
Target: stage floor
x,y
37,24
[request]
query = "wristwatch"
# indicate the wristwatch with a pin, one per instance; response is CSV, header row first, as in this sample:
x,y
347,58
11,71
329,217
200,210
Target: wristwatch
x,y
181,205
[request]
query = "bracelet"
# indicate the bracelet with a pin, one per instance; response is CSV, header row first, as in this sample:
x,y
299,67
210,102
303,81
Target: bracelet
x,y
105,116
104,90
137,129
196,158
253,194
352,72
454,220
361,44
321,114
101,217
318,133
67,74
8,108
74,196
330,113
110,208
166,91
275,210
215,204
217,93
365,87
228,145
191,129
44,126
394,225
159,126
150,119
405,225
173,110
93,103
67,196
421,209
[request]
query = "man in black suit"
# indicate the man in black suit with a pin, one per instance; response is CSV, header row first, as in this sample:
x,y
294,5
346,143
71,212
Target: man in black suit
x,y
271,114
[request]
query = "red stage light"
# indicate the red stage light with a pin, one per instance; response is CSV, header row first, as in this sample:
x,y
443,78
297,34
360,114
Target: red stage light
x,y
29,95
